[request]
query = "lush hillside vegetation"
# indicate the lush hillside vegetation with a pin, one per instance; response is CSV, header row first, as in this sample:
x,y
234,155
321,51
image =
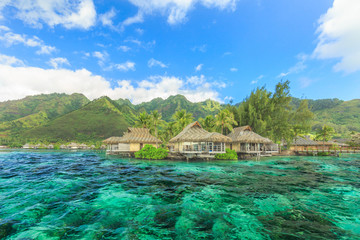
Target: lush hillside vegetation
x,y
61,117
343,116
167,107
53,105
97,120
17,126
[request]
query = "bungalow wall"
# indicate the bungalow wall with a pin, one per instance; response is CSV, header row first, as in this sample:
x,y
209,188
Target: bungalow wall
x,y
198,147
134,147
245,147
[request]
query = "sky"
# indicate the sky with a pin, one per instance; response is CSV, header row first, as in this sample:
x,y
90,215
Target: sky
x,y
202,49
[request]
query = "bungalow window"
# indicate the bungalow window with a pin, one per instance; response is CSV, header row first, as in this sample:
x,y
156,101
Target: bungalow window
x,y
203,147
210,146
217,147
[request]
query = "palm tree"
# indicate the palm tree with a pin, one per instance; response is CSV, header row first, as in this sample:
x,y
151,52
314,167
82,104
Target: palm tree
x,y
143,120
208,123
225,119
325,134
169,131
155,119
182,119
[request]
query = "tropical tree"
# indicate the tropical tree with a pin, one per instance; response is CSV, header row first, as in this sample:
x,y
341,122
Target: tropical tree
x,y
155,120
168,131
182,119
281,114
143,120
225,120
256,111
208,123
324,134
302,118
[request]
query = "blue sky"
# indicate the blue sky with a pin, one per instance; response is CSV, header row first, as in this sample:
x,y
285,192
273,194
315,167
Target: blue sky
x,y
142,49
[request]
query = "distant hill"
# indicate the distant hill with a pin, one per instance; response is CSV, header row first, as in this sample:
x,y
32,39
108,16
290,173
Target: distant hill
x,y
97,120
19,125
167,107
56,117
344,116
53,105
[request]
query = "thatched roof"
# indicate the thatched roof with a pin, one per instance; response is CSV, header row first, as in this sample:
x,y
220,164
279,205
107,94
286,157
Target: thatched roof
x,y
245,134
195,133
134,135
304,141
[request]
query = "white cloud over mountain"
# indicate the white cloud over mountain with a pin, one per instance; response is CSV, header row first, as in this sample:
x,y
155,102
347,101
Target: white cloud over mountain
x,y
339,35
19,81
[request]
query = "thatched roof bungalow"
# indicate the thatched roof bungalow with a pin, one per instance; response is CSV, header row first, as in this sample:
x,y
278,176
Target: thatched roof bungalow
x,y
301,143
194,139
133,140
244,140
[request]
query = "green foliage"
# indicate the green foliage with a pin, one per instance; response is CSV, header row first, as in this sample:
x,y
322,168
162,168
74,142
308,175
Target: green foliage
x,y
208,123
325,133
96,121
229,155
323,154
169,106
16,126
53,105
302,119
269,113
151,152
182,119
225,120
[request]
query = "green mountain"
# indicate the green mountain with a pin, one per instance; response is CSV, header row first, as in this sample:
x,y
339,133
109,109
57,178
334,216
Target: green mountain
x,y
17,126
53,105
167,107
343,116
97,120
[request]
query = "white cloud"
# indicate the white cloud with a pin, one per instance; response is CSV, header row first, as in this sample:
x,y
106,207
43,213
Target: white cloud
x,y
201,48
199,67
58,62
10,60
257,79
140,31
298,67
196,80
126,66
175,10
106,18
18,82
10,38
140,44
70,14
4,28
124,48
339,35
153,63
101,56
233,69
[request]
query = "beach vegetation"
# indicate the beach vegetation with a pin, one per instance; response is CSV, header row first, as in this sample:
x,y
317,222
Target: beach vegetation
x,y
151,152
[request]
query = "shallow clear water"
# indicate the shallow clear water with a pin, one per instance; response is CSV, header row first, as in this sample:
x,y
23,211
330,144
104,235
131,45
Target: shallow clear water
x,y
87,195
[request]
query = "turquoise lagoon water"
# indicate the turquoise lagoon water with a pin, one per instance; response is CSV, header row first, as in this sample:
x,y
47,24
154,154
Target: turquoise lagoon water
x,y
87,195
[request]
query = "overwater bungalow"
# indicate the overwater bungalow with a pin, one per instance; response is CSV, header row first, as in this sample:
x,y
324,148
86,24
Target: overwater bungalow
x,y
245,141
304,143
73,146
132,141
194,141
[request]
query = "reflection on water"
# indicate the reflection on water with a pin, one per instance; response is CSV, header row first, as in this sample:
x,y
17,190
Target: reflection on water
x,y
72,195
